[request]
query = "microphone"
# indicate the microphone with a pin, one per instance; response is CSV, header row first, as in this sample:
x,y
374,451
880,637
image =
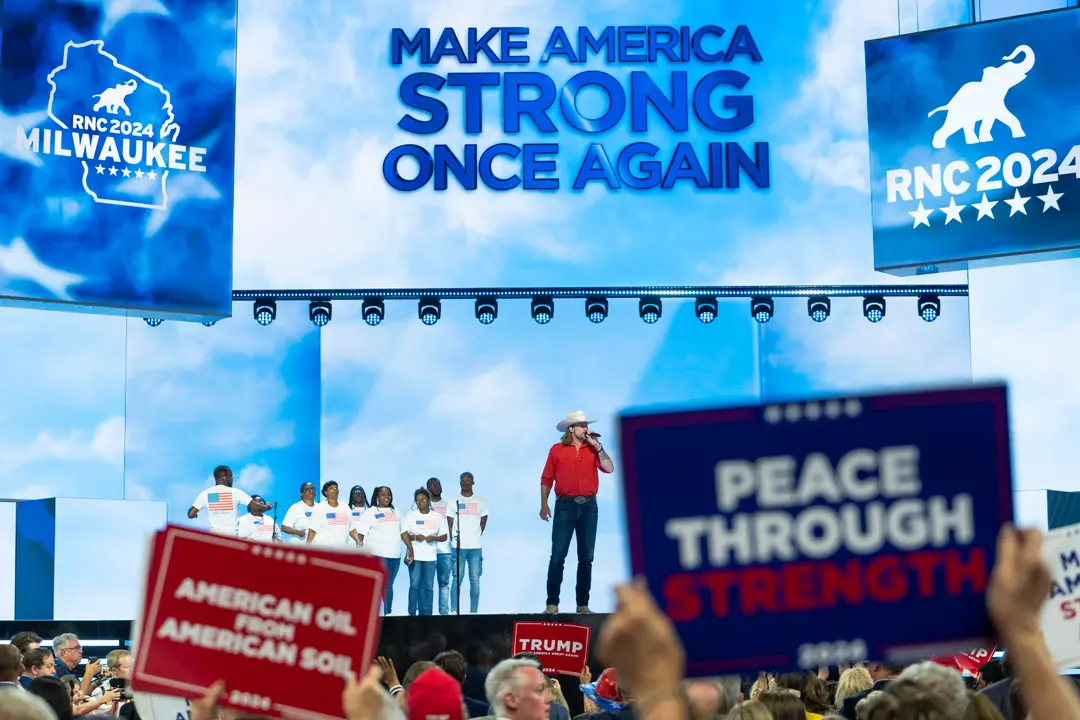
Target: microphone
x,y
593,433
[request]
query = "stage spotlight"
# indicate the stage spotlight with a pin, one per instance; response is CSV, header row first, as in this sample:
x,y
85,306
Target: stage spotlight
x,y
929,307
210,323
373,311
596,308
487,309
543,309
873,307
705,307
153,322
320,311
761,309
650,308
265,311
818,307
429,310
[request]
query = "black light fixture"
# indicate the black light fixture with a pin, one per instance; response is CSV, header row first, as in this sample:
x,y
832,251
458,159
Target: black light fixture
x,y
706,308
873,308
373,310
596,308
761,308
210,323
818,307
543,309
265,311
929,307
487,309
429,310
320,312
650,308
153,322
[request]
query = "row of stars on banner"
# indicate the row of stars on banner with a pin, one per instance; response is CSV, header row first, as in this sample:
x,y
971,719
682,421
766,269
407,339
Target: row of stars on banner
x,y
126,172
831,409
1017,204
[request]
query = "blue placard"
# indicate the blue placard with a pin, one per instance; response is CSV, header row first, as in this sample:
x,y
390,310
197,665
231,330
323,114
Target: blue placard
x,y
781,536
116,156
975,144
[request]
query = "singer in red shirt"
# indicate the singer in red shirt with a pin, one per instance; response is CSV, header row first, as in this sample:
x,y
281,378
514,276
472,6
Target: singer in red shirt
x,y
572,469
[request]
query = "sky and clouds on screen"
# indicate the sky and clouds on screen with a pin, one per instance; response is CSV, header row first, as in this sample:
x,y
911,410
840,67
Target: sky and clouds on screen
x,y
110,408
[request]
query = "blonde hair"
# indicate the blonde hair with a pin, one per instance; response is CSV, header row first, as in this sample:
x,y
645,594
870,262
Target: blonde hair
x,y
852,681
567,438
749,710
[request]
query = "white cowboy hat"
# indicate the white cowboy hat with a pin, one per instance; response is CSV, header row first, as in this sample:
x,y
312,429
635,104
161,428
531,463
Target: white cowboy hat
x,y
578,416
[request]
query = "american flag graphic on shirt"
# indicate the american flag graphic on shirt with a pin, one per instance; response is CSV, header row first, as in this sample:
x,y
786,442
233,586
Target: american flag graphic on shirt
x,y
219,502
468,508
337,518
384,517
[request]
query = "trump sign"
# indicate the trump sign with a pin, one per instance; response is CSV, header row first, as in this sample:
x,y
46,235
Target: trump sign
x,y
975,156
116,162
822,532
560,647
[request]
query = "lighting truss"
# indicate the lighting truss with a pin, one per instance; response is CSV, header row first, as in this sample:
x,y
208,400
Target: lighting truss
x,y
611,293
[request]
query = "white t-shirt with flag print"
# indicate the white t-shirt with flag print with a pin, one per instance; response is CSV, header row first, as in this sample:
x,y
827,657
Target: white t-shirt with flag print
x,y
443,508
466,512
220,503
259,528
381,529
298,517
429,523
356,514
331,525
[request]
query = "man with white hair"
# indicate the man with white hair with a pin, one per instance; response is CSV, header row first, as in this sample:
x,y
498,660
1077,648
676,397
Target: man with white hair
x,y
25,706
940,681
69,652
517,690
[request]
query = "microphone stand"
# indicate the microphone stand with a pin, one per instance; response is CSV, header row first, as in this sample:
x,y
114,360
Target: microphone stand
x,y
457,561
274,531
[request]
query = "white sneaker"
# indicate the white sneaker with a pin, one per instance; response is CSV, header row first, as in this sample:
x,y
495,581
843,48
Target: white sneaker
x,y
551,610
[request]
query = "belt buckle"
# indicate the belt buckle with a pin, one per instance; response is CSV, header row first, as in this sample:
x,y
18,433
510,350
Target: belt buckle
x,y
580,499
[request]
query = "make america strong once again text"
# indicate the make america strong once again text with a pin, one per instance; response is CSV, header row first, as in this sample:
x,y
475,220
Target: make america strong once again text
x,y
875,501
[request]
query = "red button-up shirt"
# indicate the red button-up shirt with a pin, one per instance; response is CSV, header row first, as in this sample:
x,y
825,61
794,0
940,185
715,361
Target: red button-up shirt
x,y
572,470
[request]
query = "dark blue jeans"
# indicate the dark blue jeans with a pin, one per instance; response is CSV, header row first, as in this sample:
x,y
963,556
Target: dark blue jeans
x,y
392,567
422,584
572,517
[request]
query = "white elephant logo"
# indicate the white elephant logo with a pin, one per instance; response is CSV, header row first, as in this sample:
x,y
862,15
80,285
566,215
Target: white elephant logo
x,y
982,102
115,98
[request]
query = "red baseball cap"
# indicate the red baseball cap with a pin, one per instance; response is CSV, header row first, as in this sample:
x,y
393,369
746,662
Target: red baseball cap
x,y
434,695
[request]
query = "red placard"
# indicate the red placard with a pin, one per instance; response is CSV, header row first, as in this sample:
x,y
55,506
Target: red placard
x,y
969,661
562,648
280,624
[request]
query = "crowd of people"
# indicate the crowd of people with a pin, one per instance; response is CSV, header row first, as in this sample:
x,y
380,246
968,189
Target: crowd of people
x,y
439,539
644,678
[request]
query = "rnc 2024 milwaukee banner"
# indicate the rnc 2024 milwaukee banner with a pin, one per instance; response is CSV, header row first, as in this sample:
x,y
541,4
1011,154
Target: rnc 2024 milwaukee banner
x,y
975,143
116,164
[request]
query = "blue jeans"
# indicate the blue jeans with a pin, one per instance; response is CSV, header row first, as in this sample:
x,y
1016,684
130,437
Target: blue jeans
x,y
443,572
392,567
572,517
412,589
474,560
422,584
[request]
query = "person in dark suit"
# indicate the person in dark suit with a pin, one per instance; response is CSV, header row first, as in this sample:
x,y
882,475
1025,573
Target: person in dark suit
x,y
453,664
882,673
